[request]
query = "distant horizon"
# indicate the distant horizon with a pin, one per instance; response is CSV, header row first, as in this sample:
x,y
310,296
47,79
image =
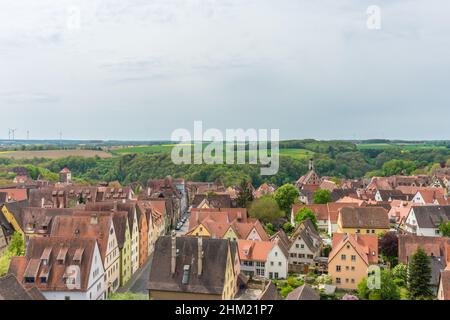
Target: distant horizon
x,y
172,141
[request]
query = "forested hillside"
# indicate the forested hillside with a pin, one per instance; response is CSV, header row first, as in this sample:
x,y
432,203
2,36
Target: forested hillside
x,y
332,158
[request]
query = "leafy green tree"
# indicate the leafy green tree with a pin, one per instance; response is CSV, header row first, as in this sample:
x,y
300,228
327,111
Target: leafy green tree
x,y
285,291
17,245
322,196
266,210
127,296
5,258
306,213
444,228
269,229
288,228
388,289
285,196
16,248
419,275
400,271
395,167
245,194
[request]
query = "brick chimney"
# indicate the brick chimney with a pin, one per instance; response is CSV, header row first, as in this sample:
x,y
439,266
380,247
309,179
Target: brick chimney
x,y
200,256
173,262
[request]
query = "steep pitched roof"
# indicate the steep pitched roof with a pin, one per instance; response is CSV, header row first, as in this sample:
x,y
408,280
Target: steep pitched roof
x,y
309,234
254,250
16,209
325,211
270,292
214,201
368,244
431,196
364,217
388,195
282,237
52,249
12,289
83,225
303,292
431,216
15,194
212,278
364,251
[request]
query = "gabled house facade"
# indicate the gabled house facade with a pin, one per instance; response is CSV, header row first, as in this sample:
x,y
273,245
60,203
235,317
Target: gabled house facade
x,y
305,246
349,260
97,226
263,259
425,220
62,268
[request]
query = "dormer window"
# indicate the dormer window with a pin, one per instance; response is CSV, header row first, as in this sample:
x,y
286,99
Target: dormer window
x,y
61,258
29,280
45,257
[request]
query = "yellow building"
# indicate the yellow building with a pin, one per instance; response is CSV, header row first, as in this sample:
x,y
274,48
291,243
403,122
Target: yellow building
x,y
363,220
199,231
7,210
124,243
349,261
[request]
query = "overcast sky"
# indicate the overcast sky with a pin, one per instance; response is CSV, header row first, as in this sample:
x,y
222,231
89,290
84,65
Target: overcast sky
x,y
139,69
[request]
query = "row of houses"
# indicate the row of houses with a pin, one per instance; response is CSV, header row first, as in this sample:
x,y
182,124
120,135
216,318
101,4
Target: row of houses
x,y
83,253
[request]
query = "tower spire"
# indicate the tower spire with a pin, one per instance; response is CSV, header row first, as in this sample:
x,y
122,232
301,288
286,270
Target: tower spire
x,y
311,164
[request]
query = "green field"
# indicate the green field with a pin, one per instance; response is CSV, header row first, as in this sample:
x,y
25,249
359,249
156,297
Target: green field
x,y
401,146
297,153
293,153
164,148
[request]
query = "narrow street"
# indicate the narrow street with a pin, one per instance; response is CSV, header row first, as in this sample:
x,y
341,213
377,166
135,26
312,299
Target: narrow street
x,y
139,281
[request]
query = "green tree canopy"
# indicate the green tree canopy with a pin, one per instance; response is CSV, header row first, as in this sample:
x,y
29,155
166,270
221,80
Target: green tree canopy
x,y
265,209
322,196
400,271
306,213
388,289
419,275
395,167
17,245
245,194
285,196
444,228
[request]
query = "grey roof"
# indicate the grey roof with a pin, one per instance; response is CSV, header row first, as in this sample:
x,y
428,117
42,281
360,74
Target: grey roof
x,y
437,265
212,279
270,292
303,292
392,194
11,289
431,216
8,229
309,234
